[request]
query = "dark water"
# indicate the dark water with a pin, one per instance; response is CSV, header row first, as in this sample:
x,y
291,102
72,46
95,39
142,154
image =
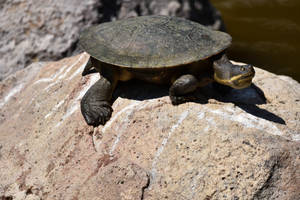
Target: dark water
x,y
265,33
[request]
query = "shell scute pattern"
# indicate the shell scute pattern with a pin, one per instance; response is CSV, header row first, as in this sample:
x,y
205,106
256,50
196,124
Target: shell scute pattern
x,y
152,42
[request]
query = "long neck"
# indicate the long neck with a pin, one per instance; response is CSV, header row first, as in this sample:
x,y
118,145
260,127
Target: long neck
x,y
222,66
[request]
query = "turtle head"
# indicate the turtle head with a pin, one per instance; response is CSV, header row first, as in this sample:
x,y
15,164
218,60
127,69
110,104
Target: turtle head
x,y
235,76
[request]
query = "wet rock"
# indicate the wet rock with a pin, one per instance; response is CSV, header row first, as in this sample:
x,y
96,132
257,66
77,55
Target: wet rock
x,y
215,148
33,30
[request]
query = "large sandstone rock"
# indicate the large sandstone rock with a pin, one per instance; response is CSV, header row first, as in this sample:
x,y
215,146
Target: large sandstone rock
x,y
215,148
34,30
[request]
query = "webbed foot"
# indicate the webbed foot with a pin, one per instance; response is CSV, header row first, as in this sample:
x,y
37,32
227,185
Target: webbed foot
x,y
95,104
96,113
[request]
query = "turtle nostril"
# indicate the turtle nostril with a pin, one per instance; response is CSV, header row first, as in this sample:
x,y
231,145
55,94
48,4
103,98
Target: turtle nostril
x,y
251,68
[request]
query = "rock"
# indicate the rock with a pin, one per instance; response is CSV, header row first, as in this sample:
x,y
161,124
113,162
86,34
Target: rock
x,y
201,11
33,30
244,145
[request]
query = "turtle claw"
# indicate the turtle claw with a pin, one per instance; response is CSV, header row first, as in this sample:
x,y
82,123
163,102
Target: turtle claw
x,y
96,113
176,100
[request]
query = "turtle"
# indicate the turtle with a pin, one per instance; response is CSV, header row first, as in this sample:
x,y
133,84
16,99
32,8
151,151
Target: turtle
x,y
157,49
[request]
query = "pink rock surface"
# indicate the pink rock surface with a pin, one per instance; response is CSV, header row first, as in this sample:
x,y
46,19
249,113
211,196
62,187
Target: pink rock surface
x,y
149,149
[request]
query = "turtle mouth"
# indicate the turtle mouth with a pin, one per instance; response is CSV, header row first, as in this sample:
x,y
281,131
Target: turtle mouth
x,y
241,81
237,82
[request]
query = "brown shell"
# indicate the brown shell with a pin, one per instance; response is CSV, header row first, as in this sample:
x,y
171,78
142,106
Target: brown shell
x,y
152,42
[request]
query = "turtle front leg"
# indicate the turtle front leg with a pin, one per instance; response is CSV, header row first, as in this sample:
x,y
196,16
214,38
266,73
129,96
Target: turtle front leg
x,y
181,87
95,104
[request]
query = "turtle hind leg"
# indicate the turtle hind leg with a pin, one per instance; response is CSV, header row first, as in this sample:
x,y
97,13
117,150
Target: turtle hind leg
x,y
95,104
181,88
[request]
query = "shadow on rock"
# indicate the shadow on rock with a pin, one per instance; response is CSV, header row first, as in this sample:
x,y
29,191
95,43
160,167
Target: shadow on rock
x,y
140,90
261,113
246,99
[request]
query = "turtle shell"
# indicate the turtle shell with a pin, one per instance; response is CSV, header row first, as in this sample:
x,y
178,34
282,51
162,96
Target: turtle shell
x,y
152,42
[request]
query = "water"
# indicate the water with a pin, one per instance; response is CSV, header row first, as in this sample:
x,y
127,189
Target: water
x,y
266,33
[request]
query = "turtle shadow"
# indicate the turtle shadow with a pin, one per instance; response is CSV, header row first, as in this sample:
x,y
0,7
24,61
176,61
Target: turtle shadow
x,y
247,99
140,90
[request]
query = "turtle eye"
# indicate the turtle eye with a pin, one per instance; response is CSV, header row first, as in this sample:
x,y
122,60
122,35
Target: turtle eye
x,y
243,69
